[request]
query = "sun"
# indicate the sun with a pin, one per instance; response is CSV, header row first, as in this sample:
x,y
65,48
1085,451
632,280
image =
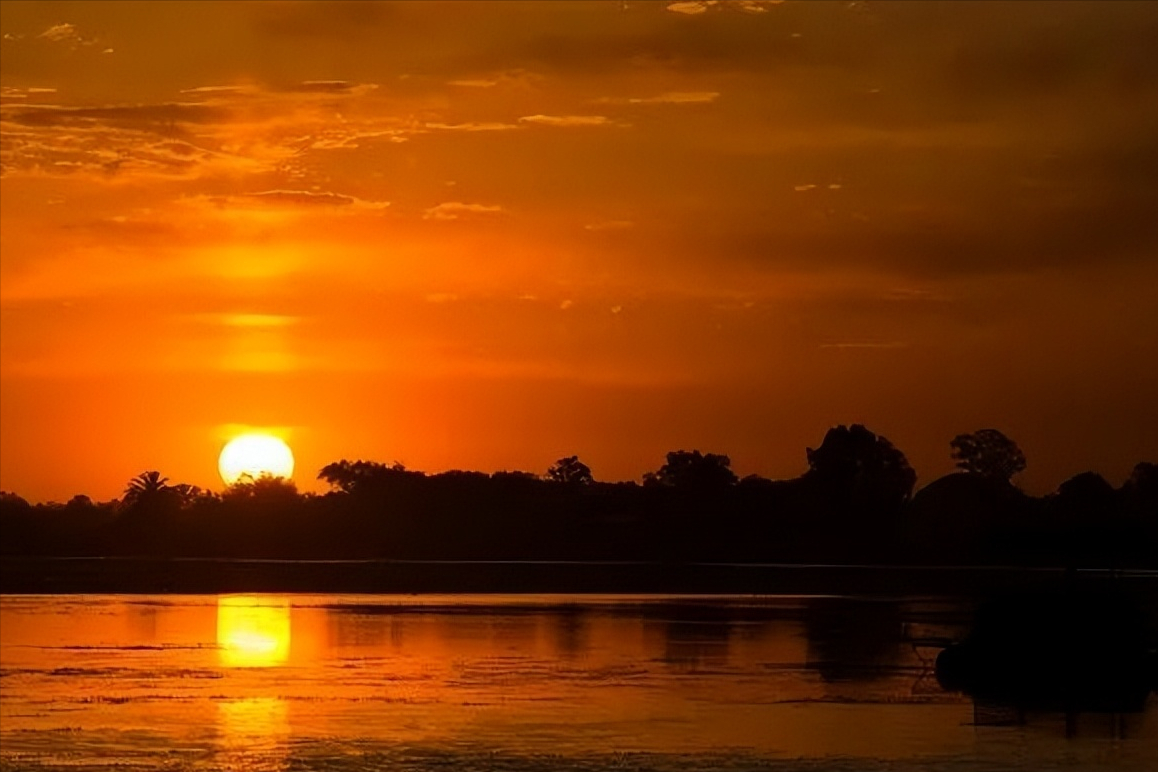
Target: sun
x,y
254,455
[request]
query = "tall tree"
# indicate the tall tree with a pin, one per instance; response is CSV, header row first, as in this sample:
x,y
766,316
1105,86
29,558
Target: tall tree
x,y
146,489
360,476
856,464
693,471
570,471
988,452
265,488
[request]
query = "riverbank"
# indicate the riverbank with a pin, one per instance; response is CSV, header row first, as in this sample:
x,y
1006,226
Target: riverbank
x,y
197,575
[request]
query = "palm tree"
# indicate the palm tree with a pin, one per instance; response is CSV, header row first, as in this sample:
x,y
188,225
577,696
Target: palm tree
x,y
146,488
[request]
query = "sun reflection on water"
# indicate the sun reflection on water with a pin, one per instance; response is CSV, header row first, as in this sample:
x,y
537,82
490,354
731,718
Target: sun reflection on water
x,y
254,734
253,631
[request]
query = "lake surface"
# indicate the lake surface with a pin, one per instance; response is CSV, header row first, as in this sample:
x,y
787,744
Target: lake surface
x,y
353,682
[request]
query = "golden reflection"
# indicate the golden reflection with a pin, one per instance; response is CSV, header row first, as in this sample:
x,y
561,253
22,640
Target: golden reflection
x,y
255,732
253,631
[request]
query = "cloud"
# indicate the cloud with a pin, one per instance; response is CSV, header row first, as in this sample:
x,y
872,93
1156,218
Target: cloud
x,y
157,117
567,120
223,130
332,87
315,198
472,126
667,98
107,144
221,90
453,210
288,199
692,7
10,92
62,33
519,78
697,7
476,83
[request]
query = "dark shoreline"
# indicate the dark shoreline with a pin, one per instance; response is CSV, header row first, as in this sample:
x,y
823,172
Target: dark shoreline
x,y
19,575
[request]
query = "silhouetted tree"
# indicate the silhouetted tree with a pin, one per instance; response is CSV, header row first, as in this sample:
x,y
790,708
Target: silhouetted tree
x,y
147,490
1141,491
855,464
10,502
514,474
846,508
988,452
969,518
570,471
693,471
1139,498
79,503
1085,496
353,476
265,489
187,494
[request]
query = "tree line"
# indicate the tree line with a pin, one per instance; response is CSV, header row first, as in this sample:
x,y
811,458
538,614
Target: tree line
x,y
854,504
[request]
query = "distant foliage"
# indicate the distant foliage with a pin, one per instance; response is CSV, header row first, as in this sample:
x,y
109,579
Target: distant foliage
x,y
266,489
12,503
1141,491
145,487
856,463
693,471
854,505
1085,497
988,452
355,476
150,495
570,471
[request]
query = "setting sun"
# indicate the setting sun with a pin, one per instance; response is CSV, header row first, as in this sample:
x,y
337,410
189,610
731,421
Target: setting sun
x,y
254,455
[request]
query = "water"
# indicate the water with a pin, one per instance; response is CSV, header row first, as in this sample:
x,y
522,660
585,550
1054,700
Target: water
x,y
348,682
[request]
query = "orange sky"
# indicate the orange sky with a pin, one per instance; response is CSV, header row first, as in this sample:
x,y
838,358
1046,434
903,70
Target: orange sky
x,y
485,235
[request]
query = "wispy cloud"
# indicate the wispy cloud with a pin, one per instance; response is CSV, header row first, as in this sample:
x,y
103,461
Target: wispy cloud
x,y
666,98
692,7
287,200
516,77
221,130
472,126
113,145
333,87
475,83
315,198
567,120
453,210
221,90
697,7
64,33
25,92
